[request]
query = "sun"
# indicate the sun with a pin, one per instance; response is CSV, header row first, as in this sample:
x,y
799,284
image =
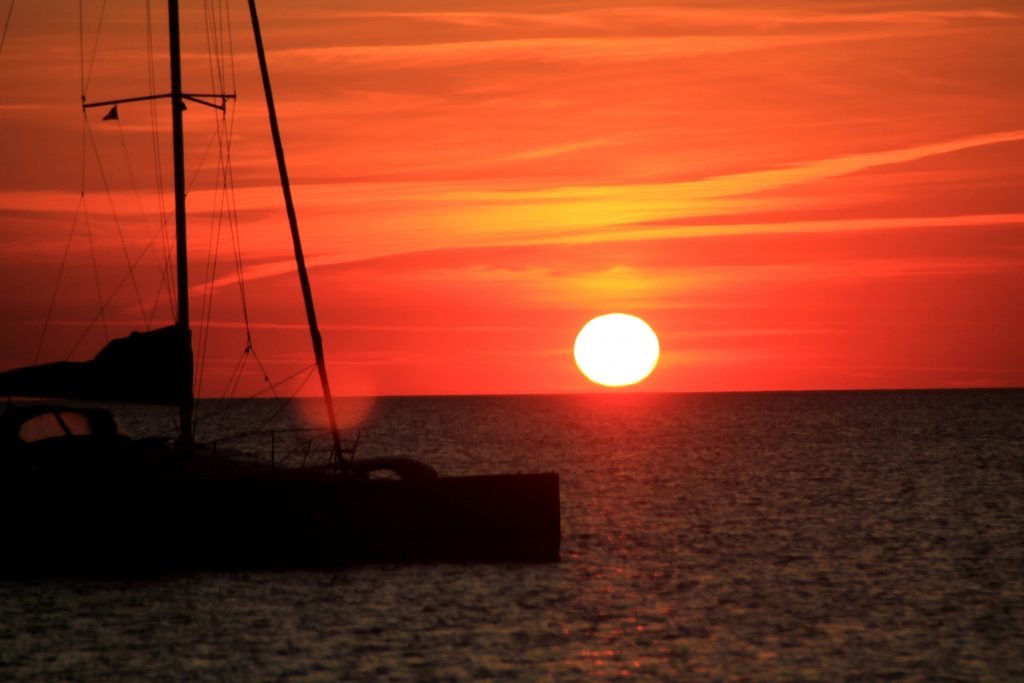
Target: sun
x,y
616,350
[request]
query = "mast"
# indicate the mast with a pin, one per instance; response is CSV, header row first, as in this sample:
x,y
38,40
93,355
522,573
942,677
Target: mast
x,y
177,106
184,364
300,261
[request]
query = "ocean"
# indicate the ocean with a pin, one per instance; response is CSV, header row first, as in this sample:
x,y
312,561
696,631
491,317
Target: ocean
x,y
806,536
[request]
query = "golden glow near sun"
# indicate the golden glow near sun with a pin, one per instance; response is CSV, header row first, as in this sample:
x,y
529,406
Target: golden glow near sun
x,y
616,350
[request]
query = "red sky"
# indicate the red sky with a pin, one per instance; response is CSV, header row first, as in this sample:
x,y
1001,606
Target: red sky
x,y
794,194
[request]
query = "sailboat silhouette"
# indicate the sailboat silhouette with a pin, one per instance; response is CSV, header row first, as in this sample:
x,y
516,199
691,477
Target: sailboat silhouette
x,y
80,495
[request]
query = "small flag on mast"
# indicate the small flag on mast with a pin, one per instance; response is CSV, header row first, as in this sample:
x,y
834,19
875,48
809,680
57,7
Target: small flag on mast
x,y
112,114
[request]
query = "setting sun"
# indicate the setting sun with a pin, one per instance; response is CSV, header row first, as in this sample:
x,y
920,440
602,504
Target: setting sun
x,y
616,350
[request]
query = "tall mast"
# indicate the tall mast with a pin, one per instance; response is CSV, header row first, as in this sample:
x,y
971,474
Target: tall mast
x,y
300,261
177,96
177,106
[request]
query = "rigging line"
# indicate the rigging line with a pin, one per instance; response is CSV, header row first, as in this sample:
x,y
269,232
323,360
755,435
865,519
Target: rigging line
x,y
236,235
168,247
219,409
225,133
95,46
310,370
230,208
166,277
202,161
218,24
213,251
135,189
236,375
225,29
232,214
7,23
206,308
213,35
222,31
67,248
105,304
117,222
157,298
166,280
96,276
223,207
215,61
60,276
283,408
81,48
213,48
209,43
272,386
225,19
231,45
150,314
203,333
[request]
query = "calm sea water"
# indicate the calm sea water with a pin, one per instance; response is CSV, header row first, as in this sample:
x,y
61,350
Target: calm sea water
x,y
860,536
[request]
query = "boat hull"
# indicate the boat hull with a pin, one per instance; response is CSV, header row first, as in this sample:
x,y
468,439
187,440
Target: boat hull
x,y
60,524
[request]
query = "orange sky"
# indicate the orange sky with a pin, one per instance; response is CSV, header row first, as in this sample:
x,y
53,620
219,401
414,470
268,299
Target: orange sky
x,y
795,194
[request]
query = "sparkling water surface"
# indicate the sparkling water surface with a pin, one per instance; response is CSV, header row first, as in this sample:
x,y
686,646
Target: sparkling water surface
x,y
834,536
